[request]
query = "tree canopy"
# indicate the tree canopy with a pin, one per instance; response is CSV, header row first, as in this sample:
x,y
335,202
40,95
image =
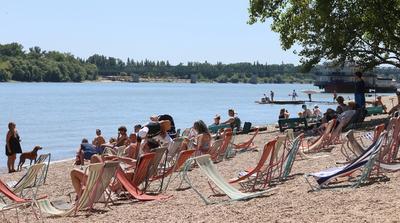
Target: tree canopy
x,y
366,32
37,65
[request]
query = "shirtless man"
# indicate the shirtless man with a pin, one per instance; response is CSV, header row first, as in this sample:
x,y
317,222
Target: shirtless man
x,y
99,139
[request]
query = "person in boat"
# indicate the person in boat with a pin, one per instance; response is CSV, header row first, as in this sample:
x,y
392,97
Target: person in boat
x,y
283,114
342,107
233,120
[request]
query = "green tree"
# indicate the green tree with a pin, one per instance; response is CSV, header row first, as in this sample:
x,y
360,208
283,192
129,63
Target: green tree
x,y
366,32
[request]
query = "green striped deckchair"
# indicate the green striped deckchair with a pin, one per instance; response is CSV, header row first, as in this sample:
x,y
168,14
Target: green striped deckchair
x,y
86,200
208,168
27,183
291,157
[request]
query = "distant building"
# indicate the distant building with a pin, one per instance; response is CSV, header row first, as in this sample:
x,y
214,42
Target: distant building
x,y
135,78
253,79
193,78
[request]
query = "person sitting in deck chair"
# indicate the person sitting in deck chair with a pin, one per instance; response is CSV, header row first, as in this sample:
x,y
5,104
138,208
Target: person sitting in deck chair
x,y
203,138
233,120
342,107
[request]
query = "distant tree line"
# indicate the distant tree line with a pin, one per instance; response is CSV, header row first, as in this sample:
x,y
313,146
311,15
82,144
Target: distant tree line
x,y
38,65
52,66
222,73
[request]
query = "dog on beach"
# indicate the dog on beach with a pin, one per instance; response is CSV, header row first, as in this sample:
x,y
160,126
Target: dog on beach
x,y
28,155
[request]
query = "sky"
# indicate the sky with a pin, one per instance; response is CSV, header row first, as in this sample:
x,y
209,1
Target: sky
x,y
173,30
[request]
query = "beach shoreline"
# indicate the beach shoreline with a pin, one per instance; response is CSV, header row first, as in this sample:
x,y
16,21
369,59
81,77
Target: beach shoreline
x,y
290,202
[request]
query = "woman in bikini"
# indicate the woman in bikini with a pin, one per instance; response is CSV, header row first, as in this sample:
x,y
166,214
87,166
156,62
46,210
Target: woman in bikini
x,y
203,138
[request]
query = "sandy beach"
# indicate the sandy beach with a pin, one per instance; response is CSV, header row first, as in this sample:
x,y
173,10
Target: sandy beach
x,y
291,201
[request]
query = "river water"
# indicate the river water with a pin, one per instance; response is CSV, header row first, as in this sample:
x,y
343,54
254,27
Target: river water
x,y
58,115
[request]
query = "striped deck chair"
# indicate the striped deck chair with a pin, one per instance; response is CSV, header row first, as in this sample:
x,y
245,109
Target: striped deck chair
x,y
173,148
132,185
134,190
44,158
223,149
28,183
291,157
208,168
256,171
351,148
213,151
16,202
182,157
86,199
155,166
321,141
364,161
271,165
248,145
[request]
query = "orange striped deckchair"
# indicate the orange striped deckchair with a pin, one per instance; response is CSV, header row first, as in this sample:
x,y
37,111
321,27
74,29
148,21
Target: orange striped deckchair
x,y
267,152
248,145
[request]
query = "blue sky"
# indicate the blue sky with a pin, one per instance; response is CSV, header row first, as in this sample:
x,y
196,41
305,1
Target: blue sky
x,y
178,31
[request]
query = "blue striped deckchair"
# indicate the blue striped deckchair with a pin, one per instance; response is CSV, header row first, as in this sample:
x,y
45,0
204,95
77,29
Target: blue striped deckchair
x,y
366,161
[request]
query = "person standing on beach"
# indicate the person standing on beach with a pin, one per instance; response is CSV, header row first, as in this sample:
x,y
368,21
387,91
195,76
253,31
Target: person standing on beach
x,y
13,146
359,93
